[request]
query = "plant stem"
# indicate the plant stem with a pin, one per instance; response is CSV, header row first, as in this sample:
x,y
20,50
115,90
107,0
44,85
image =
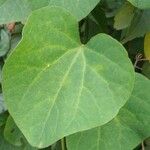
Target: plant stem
x,y
63,143
143,147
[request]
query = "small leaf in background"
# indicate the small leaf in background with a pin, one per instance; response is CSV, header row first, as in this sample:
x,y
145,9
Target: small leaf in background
x,y
140,25
124,16
61,86
4,145
130,127
146,69
12,134
142,4
4,42
147,46
112,7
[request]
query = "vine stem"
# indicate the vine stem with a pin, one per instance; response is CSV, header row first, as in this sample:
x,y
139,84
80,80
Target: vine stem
x,y
63,143
143,147
139,58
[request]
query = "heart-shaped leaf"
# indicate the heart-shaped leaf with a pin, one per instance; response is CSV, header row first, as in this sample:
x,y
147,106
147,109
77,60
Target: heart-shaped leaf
x,y
126,131
55,86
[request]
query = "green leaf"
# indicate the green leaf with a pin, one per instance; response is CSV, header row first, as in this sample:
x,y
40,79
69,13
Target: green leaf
x,y
12,134
79,8
140,25
2,1
124,16
142,4
126,130
55,86
4,145
14,11
111,7
4,42
19,10
113,4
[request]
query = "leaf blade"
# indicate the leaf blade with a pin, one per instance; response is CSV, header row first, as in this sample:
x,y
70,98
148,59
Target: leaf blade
x,y
19,10
126,130
54,75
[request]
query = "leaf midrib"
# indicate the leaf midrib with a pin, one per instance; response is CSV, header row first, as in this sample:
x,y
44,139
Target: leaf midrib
x,y
57,93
